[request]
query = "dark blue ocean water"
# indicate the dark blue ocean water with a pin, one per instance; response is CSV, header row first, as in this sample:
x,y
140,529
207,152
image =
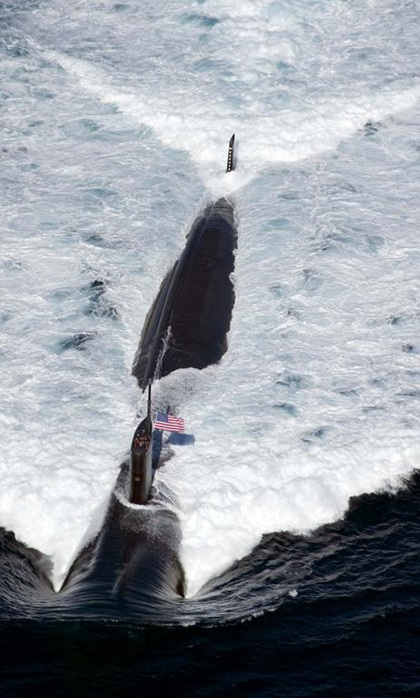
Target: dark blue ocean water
x,y
353,629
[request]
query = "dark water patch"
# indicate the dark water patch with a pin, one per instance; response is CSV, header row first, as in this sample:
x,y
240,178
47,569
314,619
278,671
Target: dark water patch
x,y
25,577
99,241
253,659
402,318
332,240
90,126
5,316
10,7
61,294
409,348
410,392
42,93
347,392
200,20
371,127
287,408
15,47
374,243
29,167
96,240
14,152
328,240
289,195
338,238
373,408
348,186
80,128
312,279
378,382
98,199
96,302
13,265
100,193
285,67
75,341
293,313
203,65
277,290
277,224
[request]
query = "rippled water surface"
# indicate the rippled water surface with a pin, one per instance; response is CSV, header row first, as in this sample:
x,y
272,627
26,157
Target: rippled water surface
x,y
297,498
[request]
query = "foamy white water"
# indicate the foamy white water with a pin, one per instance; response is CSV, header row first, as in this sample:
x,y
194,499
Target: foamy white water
x,y
116,119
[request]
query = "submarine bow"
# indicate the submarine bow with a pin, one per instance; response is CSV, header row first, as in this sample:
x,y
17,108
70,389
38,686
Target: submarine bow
x,y
187,324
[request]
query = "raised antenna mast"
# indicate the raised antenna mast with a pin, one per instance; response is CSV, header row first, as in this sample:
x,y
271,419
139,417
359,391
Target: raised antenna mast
x,y
230,164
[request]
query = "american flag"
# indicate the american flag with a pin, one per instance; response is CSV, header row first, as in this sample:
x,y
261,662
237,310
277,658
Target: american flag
x,y
168,422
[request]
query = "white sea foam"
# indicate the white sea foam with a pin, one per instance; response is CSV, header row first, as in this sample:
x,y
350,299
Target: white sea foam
x,y
266,136
110,113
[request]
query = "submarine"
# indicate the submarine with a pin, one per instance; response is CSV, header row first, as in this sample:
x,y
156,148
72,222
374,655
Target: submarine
x,y
135,555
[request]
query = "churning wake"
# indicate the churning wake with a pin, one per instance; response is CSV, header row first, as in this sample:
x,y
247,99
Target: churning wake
x,y
110,113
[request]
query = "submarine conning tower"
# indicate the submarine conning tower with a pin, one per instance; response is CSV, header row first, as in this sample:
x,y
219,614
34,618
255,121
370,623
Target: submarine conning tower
x,y
141,459
141,463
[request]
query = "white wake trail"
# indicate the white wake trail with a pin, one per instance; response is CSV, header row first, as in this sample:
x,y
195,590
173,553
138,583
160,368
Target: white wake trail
x,y
266,137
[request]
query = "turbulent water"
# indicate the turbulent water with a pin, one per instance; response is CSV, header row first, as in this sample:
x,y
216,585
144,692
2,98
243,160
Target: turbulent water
x,y
115,123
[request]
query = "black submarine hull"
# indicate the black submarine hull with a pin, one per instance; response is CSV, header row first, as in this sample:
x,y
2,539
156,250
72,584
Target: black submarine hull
x,y
133,560
188,322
